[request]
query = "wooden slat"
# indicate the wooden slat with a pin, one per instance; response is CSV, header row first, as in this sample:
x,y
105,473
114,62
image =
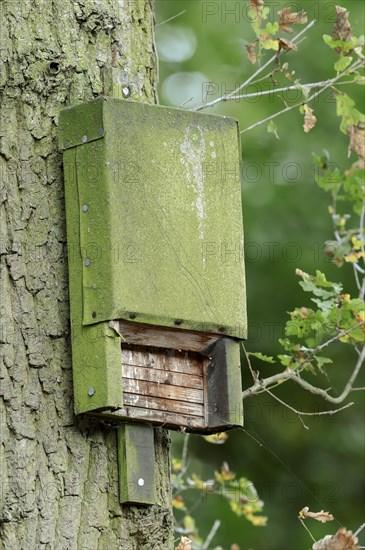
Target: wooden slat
x,y
163,377
157,417
176,361
157,403
163,337
163,390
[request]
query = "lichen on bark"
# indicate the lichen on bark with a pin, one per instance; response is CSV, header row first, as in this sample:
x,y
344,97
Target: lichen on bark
x,y
59,478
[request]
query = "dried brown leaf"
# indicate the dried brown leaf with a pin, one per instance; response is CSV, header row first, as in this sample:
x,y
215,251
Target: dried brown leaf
x,y
256,4
310,119
286,19
319,516
357,139
185,544
342,540
251,53
342,28
285,44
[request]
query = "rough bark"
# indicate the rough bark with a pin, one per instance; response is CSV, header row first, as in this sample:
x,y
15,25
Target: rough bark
x,y
59,482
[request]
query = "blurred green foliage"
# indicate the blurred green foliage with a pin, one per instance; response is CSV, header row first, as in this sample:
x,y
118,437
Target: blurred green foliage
x,y
203,54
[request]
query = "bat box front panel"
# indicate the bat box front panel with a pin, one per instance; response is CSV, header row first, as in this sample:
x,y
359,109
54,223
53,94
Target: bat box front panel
x,y
159,215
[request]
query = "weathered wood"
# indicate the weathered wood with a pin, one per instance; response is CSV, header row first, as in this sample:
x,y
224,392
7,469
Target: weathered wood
x,y
163,390
224,403
163,337
136,464
172,360
173,420
181,407
161,376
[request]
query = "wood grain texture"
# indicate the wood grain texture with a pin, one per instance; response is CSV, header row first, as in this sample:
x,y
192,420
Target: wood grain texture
x,y
163,337
165,391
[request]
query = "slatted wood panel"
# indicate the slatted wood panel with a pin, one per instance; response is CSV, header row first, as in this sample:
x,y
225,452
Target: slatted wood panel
x,y
164,385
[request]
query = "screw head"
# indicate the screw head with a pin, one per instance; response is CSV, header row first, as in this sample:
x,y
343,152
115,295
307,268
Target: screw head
x,y
140,482
87,262
85,208
84,139
90,392
126,91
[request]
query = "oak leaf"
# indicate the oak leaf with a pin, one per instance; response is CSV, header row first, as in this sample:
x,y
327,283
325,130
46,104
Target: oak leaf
x,y
251,54
357,139
342,540
286,44
309,119
342,28
286,19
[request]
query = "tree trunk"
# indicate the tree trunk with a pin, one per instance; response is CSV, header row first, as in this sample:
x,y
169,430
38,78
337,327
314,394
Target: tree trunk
x,y
59,478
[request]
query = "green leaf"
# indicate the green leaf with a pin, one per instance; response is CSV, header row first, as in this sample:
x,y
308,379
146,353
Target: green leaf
x,y
342,64
262,357
343,46
347,111
285,360
271,28
272,129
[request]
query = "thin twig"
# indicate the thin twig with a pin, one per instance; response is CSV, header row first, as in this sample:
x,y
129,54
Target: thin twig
x,y
171,18
313,96
253,374
212,534
323,393
256,73
297,86
305,527
357,280
264,383
186,101
336,337
359,530
301,413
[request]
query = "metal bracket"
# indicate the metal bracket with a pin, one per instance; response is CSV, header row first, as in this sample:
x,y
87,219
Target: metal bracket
x,y
136,464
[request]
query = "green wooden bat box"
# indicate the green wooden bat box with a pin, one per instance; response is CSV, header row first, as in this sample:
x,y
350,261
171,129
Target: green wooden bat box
x,y
155,252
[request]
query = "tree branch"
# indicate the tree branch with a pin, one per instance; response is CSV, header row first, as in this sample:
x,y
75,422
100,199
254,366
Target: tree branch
x,y
352,67
297,86
256,73
324,393
212,534
262,384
